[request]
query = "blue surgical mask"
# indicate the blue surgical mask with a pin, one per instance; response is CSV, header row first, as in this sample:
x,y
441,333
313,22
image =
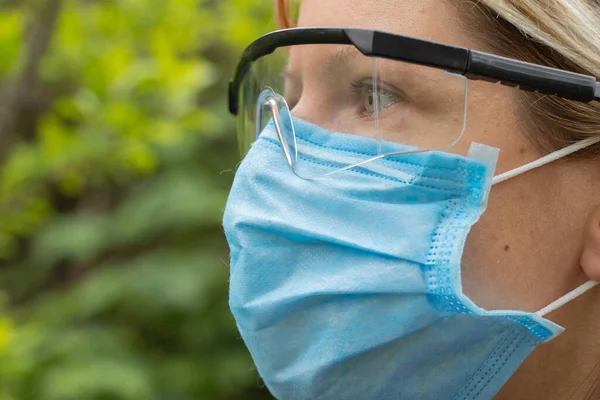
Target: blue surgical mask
x,y
349,286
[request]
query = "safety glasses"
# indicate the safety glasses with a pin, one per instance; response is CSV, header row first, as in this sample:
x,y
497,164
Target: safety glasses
x,y
387,87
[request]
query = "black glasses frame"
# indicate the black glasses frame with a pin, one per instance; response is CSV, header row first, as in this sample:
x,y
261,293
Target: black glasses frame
x,y
472,64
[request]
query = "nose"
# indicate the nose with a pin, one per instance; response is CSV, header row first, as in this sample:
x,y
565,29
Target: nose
x,y
313,108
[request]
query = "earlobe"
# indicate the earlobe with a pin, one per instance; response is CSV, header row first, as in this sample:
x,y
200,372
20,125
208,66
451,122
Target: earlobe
x,y
590,256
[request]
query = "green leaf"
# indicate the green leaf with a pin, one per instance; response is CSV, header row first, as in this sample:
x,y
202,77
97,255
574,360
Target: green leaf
x,y
113,262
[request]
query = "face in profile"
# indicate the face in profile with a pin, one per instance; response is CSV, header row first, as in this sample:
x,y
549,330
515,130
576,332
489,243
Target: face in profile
x,y
356,239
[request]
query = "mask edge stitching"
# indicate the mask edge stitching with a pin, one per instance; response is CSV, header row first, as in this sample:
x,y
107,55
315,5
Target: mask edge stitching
x,y
486,368
434,261
371,154
531,325
503,361
368,154
379,176
461,392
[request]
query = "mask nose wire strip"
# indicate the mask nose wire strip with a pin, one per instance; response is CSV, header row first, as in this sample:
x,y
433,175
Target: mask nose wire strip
x,y
547,159
567,298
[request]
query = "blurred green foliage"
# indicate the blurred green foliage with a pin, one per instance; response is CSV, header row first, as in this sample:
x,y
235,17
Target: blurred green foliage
x,y
116,158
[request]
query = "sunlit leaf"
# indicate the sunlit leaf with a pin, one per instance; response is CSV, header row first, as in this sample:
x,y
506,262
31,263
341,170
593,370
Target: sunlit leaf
x,y
112,257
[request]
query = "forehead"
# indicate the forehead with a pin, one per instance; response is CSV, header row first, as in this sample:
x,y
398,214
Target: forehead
x,y
437,20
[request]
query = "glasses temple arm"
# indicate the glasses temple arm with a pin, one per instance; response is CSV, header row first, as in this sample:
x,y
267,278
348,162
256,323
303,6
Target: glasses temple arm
x,y
532,77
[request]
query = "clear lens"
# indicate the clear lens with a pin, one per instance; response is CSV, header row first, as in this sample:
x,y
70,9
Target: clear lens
x,y
419,106
343,91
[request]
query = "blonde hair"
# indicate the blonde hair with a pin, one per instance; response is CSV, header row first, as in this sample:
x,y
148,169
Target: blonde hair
x,y
558,33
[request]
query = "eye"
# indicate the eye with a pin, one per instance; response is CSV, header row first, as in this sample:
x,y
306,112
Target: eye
x,y
386,99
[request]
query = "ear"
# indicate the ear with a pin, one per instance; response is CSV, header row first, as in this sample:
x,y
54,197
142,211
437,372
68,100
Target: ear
x,y
590,256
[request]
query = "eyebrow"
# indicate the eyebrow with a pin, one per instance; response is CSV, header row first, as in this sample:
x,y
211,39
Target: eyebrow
x,y
333,64
340,59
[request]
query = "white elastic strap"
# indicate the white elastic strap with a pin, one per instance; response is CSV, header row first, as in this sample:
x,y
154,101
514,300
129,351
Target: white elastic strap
x,y
567,298
547,159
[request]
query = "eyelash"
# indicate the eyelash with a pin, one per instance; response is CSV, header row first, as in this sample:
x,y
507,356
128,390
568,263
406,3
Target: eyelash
x,y
359,85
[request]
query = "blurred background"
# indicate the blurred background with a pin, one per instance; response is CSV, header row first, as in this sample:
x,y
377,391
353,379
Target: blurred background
x,y
116,156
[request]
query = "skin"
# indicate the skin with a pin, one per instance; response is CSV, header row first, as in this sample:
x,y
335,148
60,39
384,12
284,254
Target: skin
x,y
540,236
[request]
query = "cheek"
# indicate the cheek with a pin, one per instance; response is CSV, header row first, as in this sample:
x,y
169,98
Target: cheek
x,y
520,255
524,252
496,260
495,117
496,268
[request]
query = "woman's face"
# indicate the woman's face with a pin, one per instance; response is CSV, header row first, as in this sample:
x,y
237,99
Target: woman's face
x,y
525,251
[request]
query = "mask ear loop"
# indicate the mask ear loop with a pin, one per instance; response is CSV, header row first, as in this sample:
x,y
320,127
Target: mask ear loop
x,y
567,298
536,164
547,159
